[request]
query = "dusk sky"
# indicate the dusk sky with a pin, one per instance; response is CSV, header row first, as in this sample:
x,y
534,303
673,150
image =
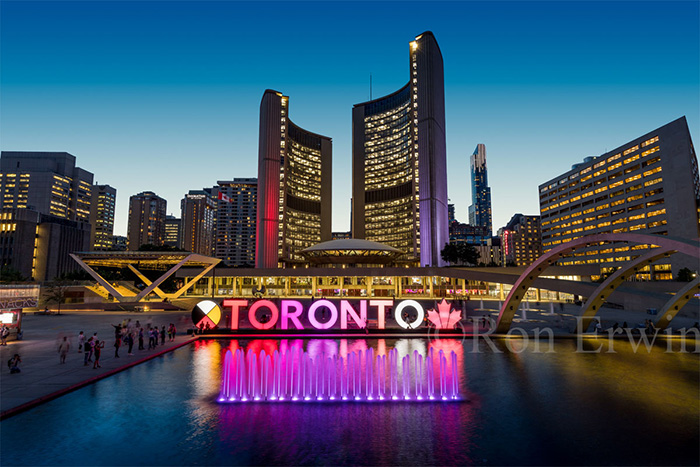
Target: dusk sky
x,y
164,96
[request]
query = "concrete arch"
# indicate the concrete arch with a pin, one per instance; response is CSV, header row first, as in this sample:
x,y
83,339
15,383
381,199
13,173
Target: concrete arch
x,y
673,306
598,297
505,317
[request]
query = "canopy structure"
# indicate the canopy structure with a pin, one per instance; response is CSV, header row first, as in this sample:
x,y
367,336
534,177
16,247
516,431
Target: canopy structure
x,y
351,251
135,260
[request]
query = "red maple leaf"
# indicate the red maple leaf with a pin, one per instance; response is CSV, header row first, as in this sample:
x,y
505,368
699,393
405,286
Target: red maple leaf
x,y
445,317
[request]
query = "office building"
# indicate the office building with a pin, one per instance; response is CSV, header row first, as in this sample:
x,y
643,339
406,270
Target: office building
x,y
102,217
480,209
649,185
38,245
119,243
146,220
521,242
399,168
173,228
198,213
294,186
236,220
47,182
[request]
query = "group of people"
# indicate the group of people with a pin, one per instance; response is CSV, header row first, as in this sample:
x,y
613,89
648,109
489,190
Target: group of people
x,y
125,333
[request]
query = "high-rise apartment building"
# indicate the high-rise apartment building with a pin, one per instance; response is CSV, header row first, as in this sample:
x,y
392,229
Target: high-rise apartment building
x,y
399,170
173,229
198,214
294,186
521,242
649,185
47,182
102,217
236,213
146,220
480,209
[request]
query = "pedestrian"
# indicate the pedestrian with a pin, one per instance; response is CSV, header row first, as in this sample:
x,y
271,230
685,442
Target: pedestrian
x,y
130,341
63,349
4,334
117,344
162,335
98,351
151,344
81,341
140,337
13,364
88,351
170,332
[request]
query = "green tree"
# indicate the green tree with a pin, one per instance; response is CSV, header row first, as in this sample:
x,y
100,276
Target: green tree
x,y
685,275
10,274
459,253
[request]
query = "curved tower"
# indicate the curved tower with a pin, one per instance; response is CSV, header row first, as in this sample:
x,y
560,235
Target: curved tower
x,y
399,194
294,186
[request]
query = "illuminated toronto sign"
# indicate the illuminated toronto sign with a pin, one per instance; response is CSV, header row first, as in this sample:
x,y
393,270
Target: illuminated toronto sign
x,y
323,314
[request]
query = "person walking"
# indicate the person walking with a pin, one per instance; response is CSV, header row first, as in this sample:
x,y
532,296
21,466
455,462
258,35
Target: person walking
x,y
117,344
162,335
140,338
4,334
130,342
98,351
63,349
88,351
81,341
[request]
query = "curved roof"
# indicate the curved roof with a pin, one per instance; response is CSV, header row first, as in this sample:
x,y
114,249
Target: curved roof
x,y
351,244
351,251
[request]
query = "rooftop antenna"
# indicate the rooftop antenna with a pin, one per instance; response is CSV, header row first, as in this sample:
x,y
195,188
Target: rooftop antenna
x,y
370,86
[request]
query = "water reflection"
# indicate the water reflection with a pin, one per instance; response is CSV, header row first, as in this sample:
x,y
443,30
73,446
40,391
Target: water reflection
x,y
520,407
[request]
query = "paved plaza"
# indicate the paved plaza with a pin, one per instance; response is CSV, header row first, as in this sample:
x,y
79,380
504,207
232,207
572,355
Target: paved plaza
x,y
43,376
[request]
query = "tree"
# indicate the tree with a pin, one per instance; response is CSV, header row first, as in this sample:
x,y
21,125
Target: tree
x,y
10,274
685,275
57,292
459,253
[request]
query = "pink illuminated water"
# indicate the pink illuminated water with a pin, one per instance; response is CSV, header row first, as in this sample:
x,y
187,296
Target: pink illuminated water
x,y
295,375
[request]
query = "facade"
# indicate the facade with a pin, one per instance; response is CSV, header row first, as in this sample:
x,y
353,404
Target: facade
x,y
294,186
648,185
119,243
480,209
146,220
465,233
521,241
102,217
341,235
198,214
237,207
38,245
173,228
47,182
399,172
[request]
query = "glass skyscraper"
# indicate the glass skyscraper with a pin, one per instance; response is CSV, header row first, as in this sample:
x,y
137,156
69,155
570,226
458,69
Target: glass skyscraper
x,y
480,209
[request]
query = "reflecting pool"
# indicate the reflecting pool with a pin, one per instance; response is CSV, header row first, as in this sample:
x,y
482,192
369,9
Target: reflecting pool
x,y
517,406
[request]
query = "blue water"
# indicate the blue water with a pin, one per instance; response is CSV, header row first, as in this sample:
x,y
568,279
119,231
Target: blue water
x,y
558,408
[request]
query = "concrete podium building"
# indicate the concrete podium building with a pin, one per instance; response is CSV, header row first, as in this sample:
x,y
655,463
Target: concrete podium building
x,y
294,186
399,194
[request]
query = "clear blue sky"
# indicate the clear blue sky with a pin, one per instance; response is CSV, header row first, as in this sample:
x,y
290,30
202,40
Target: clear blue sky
x,y
164,96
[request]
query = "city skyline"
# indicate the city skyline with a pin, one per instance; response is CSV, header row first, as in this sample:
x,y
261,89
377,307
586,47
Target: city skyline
x,y
141,98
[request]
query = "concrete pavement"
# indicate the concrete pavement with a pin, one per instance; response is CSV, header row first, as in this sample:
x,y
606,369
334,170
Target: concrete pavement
x,y
42,377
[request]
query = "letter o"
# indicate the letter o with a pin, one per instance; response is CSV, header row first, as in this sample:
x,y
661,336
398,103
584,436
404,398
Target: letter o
x,y
399,319
269,305
312,314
